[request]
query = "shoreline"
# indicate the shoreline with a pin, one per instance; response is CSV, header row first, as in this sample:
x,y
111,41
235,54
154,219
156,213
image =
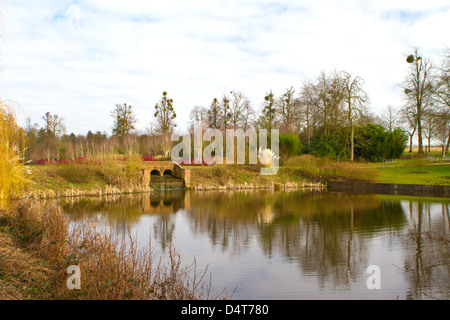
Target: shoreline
x,y
419,190
441,191
109,191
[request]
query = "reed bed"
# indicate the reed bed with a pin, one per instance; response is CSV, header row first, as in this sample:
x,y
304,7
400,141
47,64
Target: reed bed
x,y
111,267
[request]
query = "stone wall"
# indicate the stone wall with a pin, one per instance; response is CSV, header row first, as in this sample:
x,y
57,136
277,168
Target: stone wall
x,y
393,189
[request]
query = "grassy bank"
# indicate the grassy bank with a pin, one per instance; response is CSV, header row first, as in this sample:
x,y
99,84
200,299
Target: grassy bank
x,y
412,168
116,177
48,181
90,177
425,175
247,177
37,247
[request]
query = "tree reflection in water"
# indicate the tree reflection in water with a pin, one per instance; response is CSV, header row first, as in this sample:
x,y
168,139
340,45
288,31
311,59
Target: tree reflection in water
x,y
327,235
426,245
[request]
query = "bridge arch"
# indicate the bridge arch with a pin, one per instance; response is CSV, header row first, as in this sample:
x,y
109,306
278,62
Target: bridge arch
x,y
168,172
155,172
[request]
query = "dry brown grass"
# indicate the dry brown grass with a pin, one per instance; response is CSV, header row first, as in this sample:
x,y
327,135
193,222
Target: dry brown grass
x,y
323,169
111,268
116,269
22,275
40,229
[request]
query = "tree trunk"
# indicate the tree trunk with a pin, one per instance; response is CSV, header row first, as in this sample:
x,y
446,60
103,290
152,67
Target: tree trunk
x,y
410,143
353,143
419,134
448,142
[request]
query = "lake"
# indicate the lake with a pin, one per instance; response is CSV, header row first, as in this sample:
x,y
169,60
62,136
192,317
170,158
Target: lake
x,y
291,245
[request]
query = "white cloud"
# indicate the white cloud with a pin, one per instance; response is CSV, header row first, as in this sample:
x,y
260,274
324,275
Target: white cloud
x,y
80,58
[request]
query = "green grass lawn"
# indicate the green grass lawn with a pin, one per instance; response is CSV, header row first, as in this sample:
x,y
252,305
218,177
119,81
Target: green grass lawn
x,y
404,174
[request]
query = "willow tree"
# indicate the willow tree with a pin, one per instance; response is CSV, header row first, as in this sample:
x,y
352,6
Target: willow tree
x,y
356,100
12,155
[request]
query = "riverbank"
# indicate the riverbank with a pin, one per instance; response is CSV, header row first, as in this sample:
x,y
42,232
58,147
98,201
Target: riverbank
x,y
242,177
53,181
37,248
48,182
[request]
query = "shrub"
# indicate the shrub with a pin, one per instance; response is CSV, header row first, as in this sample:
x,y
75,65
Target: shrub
x,y
121,172
111,170
396,144
133,167
372,143
332,145
289,145
76,173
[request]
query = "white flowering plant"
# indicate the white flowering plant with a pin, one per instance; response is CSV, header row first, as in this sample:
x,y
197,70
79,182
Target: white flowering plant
x,y
267,157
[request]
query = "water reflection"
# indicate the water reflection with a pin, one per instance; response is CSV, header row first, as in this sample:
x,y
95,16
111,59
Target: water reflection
x,y
323,233
427,258
330,237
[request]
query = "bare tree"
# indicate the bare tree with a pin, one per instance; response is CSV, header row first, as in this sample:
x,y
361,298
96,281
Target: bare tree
x,y
442,83
356,100
418,88
308,112
429,126
288,110
443,129
54,124
198,115
238,104
328,97
441,94
248,116
390,118
409,122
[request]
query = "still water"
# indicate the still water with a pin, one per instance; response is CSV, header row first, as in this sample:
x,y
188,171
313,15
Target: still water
x,y
291,244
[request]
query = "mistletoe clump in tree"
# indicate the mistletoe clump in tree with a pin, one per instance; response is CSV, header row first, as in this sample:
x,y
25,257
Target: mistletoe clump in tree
x,y
165,115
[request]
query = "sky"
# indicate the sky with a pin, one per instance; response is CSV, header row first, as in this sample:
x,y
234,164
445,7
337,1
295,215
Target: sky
x,y
79,58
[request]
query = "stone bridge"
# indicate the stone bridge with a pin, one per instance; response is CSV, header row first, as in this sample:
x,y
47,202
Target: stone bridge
x,y
166,171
